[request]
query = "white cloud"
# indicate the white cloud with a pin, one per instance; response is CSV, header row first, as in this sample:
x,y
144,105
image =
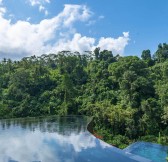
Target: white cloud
x,y
48,1
117,45
81,44
72,13
2,11
38,2
24,39
41,8
0,2
78,43
46,12
42,149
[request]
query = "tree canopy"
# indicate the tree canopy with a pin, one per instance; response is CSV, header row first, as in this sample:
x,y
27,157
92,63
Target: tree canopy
x,y
127,96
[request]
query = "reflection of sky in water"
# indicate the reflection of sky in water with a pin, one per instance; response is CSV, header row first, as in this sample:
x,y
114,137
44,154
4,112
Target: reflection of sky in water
x,y
56,140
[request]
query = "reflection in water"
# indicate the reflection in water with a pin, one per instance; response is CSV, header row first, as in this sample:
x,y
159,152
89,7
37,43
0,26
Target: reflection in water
x,y
52,139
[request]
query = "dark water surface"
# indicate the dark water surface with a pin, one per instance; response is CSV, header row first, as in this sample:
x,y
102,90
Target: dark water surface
x,y
54,139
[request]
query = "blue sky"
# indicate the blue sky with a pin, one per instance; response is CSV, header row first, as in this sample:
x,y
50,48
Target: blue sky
x,y
127,27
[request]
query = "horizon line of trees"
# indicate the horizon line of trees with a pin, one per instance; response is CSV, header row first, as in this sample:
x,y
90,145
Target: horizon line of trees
x,y
127,96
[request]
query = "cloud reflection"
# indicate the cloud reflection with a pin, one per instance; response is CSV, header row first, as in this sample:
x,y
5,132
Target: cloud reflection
x,y
25,145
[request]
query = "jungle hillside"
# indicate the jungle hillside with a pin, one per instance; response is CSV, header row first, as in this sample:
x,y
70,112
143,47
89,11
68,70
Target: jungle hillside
x,y
126,96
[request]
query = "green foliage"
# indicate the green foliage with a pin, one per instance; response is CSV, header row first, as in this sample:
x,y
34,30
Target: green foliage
x,y
146,55
120,141
127,96
162,53
148,138
159,139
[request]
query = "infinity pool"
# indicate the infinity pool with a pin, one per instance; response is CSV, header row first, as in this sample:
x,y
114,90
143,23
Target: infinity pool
x,y
55,139
154,152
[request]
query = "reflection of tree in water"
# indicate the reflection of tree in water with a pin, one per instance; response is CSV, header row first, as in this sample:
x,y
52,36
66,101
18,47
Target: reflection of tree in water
x,y
62,125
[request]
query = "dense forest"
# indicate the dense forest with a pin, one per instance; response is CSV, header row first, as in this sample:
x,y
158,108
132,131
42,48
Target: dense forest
x,y
127,96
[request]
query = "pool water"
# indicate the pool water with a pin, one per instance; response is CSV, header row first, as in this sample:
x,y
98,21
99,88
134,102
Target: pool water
x,y
154,152
55,139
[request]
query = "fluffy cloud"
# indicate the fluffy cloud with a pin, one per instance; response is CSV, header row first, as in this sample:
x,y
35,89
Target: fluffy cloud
x,y
2,11
116,45
81,44
73,13
78,43
41,8
52,35
38,2
25,38
42,149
